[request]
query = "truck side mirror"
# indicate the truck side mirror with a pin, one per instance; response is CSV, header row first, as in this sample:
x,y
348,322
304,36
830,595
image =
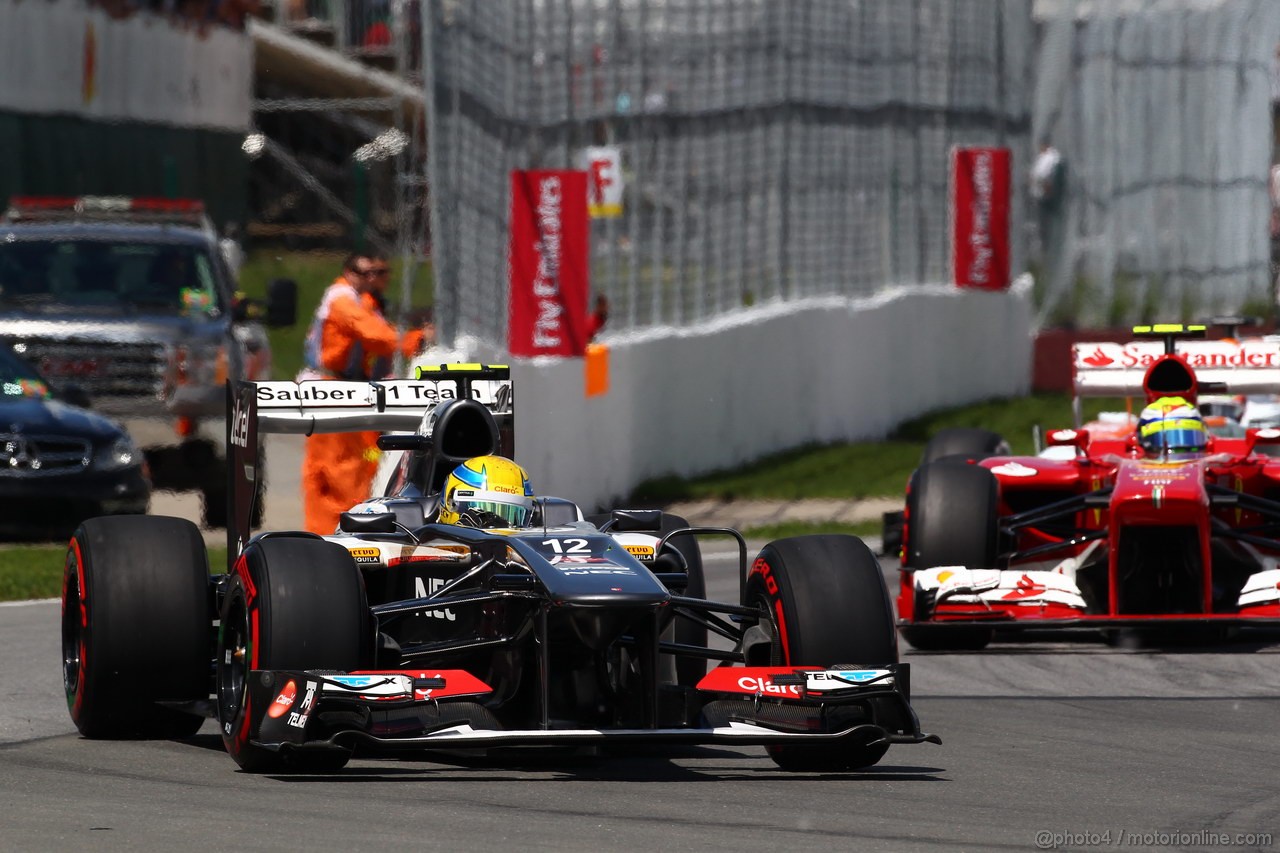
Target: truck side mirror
x,y
74,395
282,302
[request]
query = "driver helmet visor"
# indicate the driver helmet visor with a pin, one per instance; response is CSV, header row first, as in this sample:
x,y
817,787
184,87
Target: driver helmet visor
x,y
516,509
1175,435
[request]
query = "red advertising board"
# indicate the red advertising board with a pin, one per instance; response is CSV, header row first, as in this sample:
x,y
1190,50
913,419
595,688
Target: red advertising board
x,y
547,263
980,217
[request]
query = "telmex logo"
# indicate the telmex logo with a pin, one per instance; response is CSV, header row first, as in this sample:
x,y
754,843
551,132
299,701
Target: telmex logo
x,y
357,680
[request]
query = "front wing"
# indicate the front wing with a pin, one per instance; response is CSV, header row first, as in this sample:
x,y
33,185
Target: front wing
x,y
410,710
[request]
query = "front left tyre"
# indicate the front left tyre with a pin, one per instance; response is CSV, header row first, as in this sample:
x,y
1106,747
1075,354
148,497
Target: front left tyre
x,y
136,626
828,604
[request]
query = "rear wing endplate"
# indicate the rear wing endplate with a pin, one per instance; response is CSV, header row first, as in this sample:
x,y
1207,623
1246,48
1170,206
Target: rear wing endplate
x,y
331,406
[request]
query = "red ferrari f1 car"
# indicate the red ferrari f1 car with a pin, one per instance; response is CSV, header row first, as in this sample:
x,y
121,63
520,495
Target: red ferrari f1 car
x,y
1149,533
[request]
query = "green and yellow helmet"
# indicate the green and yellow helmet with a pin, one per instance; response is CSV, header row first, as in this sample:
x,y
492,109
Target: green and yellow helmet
x,y
487,484
1171,425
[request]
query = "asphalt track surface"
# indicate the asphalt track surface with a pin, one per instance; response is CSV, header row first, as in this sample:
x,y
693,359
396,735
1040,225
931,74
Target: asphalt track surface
x,y
1074,739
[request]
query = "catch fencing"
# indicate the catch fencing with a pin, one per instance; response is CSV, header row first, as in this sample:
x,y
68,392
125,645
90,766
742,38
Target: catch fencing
x,y
771,151
1162,111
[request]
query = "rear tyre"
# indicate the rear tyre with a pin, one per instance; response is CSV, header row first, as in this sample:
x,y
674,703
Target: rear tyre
x,y
136,626
952,516
828,605
964,442
294,602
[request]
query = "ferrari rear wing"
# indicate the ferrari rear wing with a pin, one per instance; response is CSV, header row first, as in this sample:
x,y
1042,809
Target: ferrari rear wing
x,y
331,406
1106,369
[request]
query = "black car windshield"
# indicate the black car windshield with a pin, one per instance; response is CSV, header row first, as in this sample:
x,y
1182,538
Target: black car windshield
x,y
19,379
74,274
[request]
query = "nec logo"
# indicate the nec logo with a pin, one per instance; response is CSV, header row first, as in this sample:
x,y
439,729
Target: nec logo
x,y
422,590
240,424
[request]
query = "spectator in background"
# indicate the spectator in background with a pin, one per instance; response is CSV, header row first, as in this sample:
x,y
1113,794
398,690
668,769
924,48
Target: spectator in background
x,y
348,334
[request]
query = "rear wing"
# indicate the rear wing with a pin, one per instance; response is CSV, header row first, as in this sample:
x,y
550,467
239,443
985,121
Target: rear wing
x,y
1107,369
330,406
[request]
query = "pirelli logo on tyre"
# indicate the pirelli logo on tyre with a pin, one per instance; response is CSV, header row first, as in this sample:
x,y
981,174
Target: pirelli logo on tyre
x,y
366,555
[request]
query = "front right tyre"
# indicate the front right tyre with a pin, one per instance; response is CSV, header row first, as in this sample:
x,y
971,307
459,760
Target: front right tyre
x,y
293,603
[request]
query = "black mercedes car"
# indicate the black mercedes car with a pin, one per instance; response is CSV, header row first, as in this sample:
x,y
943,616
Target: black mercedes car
x,y
59,462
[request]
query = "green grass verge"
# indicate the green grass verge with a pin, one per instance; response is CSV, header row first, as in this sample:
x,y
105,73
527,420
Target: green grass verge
x,y
314,271
35,571
867,469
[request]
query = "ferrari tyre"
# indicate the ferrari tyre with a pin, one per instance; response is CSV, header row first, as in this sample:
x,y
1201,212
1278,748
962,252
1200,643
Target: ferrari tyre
x,y
296,603
952,521
827,601
964,441
136,626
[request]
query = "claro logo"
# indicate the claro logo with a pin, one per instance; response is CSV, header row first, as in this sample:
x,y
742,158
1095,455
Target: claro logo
x,y
764,685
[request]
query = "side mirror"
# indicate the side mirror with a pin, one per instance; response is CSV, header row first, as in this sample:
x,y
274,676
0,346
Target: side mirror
x,y
282,302
367,522
1266,436
627,520
1077,438
75,395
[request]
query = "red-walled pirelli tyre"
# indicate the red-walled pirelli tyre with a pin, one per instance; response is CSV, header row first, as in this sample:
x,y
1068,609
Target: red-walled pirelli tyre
x,y
829,606
951,521
294,602
964,441
136,625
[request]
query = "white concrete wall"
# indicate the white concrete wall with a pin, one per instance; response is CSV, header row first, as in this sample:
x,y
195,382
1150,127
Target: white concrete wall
x,y
69,58
688,401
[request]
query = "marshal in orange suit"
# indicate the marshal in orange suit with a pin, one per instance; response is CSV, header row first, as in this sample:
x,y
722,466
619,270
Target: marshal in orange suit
x,y
347,336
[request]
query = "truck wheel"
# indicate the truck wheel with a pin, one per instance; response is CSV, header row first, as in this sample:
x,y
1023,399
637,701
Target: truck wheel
x,y
964,441
297,603
829,606
951,521
136,625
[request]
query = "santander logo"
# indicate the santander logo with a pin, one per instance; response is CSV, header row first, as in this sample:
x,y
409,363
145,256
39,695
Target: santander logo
x,y
1098,359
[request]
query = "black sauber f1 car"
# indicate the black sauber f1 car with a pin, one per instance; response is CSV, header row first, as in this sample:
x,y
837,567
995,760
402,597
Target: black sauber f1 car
x,y
398,633
1155,548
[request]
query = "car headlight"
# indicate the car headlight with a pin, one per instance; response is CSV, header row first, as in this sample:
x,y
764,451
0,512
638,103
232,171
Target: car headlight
x,y
121,453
